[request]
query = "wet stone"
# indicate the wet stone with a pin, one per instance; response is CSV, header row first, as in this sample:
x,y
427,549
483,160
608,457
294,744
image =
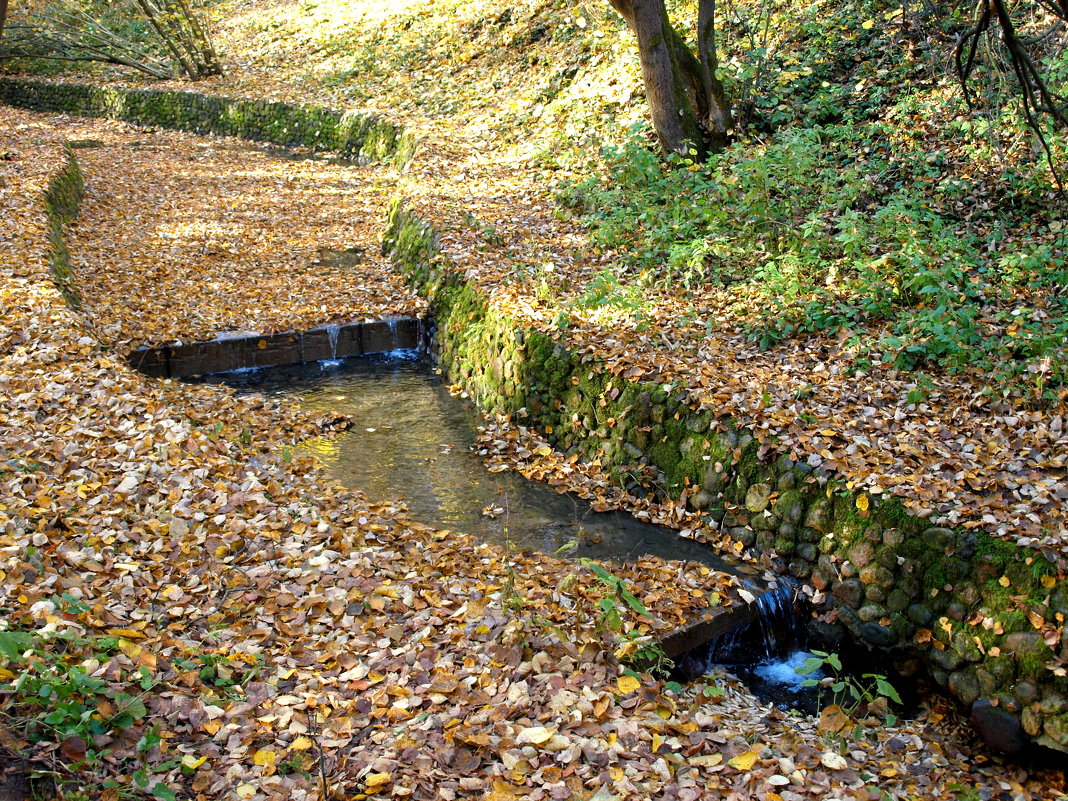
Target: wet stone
x,y
877,575
1024,644
894,537
764,522
800,569
920,615
1026,692
746,536
956,611
784,546
1054,704
947,660
964,645
819,515
877,635
937,537
1056,728
715,481
875,595
870,612
757,498
1000,729
791,511
896,601
848,592
862,554
964,685
1031,722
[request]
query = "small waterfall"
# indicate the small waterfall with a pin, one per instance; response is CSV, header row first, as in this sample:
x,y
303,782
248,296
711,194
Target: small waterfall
x,y
394,340
777,630
332,334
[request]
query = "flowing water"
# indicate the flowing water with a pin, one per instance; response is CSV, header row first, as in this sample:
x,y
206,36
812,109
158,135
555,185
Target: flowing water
x,y
411,440
765,653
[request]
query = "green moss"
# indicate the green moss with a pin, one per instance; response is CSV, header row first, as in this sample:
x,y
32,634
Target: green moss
x,y
62,199
350,133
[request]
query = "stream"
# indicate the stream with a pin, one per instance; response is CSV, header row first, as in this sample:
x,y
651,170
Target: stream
x,y
411,440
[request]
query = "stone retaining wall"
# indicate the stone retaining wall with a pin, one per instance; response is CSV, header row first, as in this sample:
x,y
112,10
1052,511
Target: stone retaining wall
x,y
62,198
352,134
967,607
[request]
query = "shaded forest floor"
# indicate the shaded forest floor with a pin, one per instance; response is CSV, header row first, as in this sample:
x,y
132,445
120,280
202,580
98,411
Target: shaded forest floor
x,y
280,631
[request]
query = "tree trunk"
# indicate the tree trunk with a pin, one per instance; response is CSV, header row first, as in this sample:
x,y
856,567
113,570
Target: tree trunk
x,y
718,117
667,76
3,16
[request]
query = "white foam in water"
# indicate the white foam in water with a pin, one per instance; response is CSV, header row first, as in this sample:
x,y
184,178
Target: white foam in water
x,y
326,363
403,354
784,671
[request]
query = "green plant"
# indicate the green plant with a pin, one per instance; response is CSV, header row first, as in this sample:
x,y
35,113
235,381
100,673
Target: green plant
x,y
869,692
59,700
618,598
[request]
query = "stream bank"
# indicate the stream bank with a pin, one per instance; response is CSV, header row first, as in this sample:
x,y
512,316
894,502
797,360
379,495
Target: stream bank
x,y
983,617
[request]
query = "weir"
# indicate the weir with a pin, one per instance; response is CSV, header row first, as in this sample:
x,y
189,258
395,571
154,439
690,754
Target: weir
x,y
244,350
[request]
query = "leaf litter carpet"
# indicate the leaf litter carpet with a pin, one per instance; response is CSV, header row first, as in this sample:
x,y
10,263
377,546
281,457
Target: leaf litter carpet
x,y
367,654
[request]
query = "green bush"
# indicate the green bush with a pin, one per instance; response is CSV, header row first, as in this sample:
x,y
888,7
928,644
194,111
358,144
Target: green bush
x,y
844,228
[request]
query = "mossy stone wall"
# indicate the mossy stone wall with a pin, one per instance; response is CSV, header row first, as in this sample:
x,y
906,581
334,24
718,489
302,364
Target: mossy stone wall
x,y
352,134
960,603
62,198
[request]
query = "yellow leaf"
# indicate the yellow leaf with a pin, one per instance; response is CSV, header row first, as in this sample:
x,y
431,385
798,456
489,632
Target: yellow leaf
x,y
191,762
300,744
377,780
264,757
833,719
130,633
1004,581
535,735
6,674
544,450
627,684
868,24
657,742
743,761
1048,582
707,760
246,790
863,503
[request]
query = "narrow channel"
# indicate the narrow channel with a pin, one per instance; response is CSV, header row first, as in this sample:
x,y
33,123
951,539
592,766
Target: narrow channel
x,y
411,440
